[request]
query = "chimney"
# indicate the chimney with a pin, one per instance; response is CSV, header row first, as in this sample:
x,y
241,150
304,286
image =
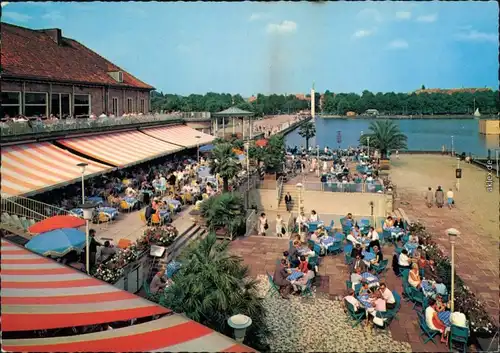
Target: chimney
x,y
55,34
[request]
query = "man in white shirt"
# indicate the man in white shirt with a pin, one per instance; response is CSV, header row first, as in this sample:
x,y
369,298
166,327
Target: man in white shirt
x,y
404,260
374,238
130,192
356,277
301,220
350,298
352,239
387,296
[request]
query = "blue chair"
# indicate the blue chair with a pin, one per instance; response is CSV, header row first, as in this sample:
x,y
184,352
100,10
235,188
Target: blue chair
x,y
317,249
313,260
312,227
357,316
348,248
460,335
273,288
426,330
347,258
335,248
418,298
311,243
307,291
381,267
348,284
330,227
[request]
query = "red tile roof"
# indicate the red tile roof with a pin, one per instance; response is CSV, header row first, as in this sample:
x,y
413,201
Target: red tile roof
x,y
28,53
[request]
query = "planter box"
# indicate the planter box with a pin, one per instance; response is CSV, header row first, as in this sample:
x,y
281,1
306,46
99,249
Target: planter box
x,y
385,164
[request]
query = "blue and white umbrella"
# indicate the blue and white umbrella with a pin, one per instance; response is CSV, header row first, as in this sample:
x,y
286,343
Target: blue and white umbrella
x,y
57,242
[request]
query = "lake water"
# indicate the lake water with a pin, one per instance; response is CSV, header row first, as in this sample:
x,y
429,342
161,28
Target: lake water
x,y
423,134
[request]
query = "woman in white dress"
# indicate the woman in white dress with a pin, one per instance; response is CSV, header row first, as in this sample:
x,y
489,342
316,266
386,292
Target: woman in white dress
x,y
279,226
263,224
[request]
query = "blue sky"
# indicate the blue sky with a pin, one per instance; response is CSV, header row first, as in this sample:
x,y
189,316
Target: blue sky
x,y
251,47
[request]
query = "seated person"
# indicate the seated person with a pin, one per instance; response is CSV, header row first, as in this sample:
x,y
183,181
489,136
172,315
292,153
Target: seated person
x,y
387,295
404,260
301,220
414,277
378,305
280,279
356,232
388,223
365,289
301,283
303,265
350,298
294,254
374,238
458,319
434,322
158,283
399,223
413,239
130,192
314,217
440,288
358,263
149,212
352,238
107,251
348,221
356,277
379,256
286,254
429,270
309,252
356,250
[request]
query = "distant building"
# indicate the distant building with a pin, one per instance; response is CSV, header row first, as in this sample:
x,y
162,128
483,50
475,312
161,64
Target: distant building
x,y
371,112
452,90
45,73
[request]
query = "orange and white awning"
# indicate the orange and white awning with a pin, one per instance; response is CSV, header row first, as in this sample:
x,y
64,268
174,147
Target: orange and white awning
x,y
41,294
181,135
37,167
121,149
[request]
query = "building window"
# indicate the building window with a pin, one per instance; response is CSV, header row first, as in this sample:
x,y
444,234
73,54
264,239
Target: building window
x,y
130,105
115,106
143,106
82,105
35,103
61,105
11,104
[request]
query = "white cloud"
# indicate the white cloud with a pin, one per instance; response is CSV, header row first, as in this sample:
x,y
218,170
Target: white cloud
x,y
370,14
16,16
362,33
53,16
428,18
285,27
403,15
398,44
476,36
258,16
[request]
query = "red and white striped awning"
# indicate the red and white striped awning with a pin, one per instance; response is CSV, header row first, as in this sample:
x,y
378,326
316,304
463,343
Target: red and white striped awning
x,y
121,149
39,294
38,167
181,135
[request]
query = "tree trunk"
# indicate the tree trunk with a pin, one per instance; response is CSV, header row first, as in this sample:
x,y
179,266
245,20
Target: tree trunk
x,y
225,183
307,144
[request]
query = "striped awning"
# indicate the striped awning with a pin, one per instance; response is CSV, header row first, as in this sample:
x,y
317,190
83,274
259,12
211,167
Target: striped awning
x,y
38,167
121,149
39,293
181,135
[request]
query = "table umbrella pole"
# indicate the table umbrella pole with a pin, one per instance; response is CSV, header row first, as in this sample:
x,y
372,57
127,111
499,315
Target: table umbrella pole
x,y
87,247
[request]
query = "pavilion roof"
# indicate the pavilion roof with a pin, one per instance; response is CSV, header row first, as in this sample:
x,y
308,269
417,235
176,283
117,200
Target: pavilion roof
x,y
233,111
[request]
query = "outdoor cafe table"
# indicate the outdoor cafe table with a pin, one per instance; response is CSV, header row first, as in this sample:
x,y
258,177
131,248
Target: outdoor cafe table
x,y
411,247
97,200
368,256
365,301
444,316
427,288
295,275
396,232
109,211
368,277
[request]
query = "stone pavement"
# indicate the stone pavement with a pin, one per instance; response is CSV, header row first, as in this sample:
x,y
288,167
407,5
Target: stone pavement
x,y
261,255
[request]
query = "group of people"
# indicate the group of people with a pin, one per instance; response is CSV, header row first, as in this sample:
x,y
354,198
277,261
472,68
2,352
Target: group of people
x,y
438,198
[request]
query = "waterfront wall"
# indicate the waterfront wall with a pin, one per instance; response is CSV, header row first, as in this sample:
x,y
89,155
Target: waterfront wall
x,y
489,127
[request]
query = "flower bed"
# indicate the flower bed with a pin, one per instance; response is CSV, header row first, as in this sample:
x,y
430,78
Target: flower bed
x,y
466,301
113,269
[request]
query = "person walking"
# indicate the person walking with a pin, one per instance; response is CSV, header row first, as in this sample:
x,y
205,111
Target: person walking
x,y
263,225
429,197
288,202
439,197
449,196
280,226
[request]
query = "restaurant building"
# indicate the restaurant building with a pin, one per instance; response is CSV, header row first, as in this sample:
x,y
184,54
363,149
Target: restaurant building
x,y
44,73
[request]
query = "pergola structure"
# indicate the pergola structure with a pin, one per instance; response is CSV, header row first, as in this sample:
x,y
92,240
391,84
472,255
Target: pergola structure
x,y
235,113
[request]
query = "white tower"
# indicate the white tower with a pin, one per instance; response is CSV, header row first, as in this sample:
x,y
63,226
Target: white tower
x,y
313,100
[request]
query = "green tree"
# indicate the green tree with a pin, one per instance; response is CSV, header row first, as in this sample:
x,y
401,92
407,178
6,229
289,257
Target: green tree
x,y
225,163
384,135
307,131
224,211
213,285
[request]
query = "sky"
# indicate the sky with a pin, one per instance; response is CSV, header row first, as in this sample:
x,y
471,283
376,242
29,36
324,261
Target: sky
x,y
283,47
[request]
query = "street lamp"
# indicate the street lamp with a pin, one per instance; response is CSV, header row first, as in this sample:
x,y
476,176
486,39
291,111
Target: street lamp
x,y
88,211
83,166
198,137
452,234
247,148
452,145
317,152
239,323
299,188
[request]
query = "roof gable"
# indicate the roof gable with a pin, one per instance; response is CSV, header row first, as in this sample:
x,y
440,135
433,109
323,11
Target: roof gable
x,y
35,54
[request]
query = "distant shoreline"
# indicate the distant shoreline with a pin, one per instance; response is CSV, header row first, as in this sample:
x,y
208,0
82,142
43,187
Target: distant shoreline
x,y
407,117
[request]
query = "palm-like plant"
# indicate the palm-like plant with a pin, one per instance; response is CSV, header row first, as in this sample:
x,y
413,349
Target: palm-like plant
x,y
214,285
384,135
225,163
224,211
307,131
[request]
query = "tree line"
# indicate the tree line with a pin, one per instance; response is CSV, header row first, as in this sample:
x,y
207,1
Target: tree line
x,y
389,103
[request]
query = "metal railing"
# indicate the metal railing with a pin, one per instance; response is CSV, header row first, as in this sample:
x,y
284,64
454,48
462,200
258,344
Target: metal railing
x,y
21,205
12,208
279,188
251,223
375,187
37,127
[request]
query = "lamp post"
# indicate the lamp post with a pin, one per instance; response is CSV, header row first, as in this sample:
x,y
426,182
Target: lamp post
x,y
452,234
458,180
247,148
198,137
452,147
299,188
239,323
317,157
83,166
88,210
